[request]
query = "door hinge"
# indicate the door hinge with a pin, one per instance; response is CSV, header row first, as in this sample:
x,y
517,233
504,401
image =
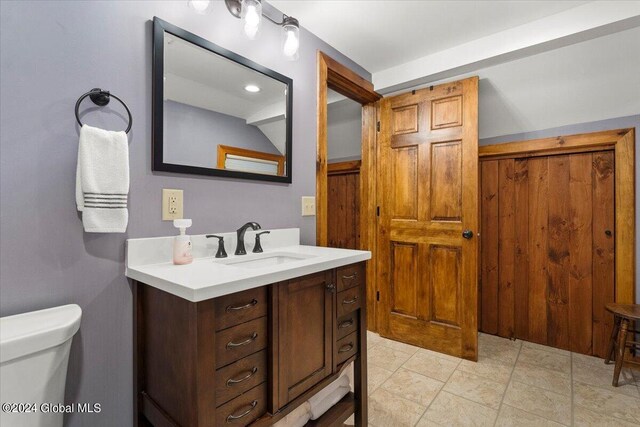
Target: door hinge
x,y
377,210
378,126
377,295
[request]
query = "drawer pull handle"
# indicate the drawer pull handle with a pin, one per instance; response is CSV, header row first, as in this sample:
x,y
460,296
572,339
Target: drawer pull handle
x,y
345,324
232,381
232,417
351,301
232,344
351,276
241,307
346,348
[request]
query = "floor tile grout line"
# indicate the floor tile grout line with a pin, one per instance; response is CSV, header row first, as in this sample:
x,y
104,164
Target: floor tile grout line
x,y
513,368
599,411
439,391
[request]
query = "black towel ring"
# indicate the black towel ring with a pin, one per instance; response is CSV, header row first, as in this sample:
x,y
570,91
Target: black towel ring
x,y
101,98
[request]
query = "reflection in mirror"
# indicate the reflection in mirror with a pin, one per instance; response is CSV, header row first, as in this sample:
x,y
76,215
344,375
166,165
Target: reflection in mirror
x,y
219,113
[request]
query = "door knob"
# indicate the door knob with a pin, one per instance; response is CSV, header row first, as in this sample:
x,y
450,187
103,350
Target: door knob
x,y
608,232
467,234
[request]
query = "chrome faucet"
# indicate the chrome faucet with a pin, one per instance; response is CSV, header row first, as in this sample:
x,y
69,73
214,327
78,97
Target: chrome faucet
x,y
240,250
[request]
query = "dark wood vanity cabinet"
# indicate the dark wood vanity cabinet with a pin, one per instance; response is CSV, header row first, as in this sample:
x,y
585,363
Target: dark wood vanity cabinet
x,y
304,334
250,357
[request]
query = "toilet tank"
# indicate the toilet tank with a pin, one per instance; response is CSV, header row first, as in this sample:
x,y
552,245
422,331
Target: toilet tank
x,y
34,354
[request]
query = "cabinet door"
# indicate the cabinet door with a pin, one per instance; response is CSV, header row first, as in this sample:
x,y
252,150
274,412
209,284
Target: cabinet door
x,y
305,309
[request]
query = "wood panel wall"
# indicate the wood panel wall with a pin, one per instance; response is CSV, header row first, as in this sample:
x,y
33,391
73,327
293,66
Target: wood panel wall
x,y
547,249
343,185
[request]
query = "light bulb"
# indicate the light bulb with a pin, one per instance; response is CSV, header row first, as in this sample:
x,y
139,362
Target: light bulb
x,y
252,14
200,6
291,44
290,38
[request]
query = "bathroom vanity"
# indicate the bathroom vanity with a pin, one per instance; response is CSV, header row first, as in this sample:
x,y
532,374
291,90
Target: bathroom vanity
x,y
245,340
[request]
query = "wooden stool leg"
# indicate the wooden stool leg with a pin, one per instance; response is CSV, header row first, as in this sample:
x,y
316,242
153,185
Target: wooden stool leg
x,y
621,346
611,352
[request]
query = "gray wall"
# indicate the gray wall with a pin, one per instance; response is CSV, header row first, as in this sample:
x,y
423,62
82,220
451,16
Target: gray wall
x,y
50,54
344,130
192,135
617,123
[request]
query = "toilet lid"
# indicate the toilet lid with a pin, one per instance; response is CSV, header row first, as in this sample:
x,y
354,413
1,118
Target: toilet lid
x,y
28,333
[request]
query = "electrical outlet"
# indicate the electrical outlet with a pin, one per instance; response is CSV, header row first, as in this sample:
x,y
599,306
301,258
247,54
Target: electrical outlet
x,y
308,206
171,204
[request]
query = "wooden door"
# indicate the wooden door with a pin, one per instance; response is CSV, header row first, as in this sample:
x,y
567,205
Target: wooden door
x,y
305,324
428,196
548,249
343,182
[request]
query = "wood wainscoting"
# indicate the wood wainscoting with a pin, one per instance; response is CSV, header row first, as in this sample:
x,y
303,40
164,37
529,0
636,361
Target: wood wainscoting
x,y
557,238
344,205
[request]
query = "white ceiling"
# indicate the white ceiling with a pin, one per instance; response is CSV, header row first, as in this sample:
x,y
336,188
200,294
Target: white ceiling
x,y
197,77
382,34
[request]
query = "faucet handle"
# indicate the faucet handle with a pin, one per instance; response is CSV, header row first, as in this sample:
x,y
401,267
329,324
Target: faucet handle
x,y
221,252
257,248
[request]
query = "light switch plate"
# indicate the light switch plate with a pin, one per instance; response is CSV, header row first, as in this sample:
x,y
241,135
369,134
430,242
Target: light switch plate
x,y
308,205
171,204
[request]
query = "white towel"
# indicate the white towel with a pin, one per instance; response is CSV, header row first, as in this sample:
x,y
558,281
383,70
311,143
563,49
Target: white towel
x,y
322,401
297,418
318,408
102,180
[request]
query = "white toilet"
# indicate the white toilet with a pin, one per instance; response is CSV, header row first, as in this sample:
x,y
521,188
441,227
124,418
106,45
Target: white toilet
x,y
34,354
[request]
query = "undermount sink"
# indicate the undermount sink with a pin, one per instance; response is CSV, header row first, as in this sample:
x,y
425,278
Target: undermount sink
x,y
264,260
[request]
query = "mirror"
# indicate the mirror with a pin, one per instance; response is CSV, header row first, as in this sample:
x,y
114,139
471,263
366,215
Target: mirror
x,y
217,113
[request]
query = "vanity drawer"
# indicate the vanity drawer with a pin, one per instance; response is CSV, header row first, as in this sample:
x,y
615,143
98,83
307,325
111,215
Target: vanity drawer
x,y
235,343
240,307
244,409
350,276
235,379
349,300
347,324
346,347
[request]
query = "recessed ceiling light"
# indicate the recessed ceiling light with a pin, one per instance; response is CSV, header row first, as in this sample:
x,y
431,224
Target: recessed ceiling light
x,y
252,88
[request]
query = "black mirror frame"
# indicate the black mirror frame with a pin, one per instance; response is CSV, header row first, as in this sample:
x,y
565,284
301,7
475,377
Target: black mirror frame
x,y
158,164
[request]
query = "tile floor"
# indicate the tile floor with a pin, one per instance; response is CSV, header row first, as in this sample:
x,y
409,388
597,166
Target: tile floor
x,y
514,383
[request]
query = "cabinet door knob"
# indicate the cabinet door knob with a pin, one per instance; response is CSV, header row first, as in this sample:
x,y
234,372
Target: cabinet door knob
x,y
331,287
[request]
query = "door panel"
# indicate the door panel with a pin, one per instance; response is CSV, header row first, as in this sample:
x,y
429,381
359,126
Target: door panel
x,y
404,261
445,284
446,181
428,193
405,170
548,249
305,308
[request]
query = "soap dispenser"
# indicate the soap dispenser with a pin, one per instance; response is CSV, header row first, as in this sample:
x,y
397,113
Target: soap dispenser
x,y
182,243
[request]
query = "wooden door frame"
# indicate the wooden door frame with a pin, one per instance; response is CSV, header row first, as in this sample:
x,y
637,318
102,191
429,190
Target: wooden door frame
x,y
622,142
332,74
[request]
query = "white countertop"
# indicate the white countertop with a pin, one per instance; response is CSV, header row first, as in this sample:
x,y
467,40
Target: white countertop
x,y
208,277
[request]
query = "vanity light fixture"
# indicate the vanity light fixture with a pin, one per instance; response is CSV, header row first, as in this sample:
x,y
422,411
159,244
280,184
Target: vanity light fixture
x,y
201,7
251,12
252,88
